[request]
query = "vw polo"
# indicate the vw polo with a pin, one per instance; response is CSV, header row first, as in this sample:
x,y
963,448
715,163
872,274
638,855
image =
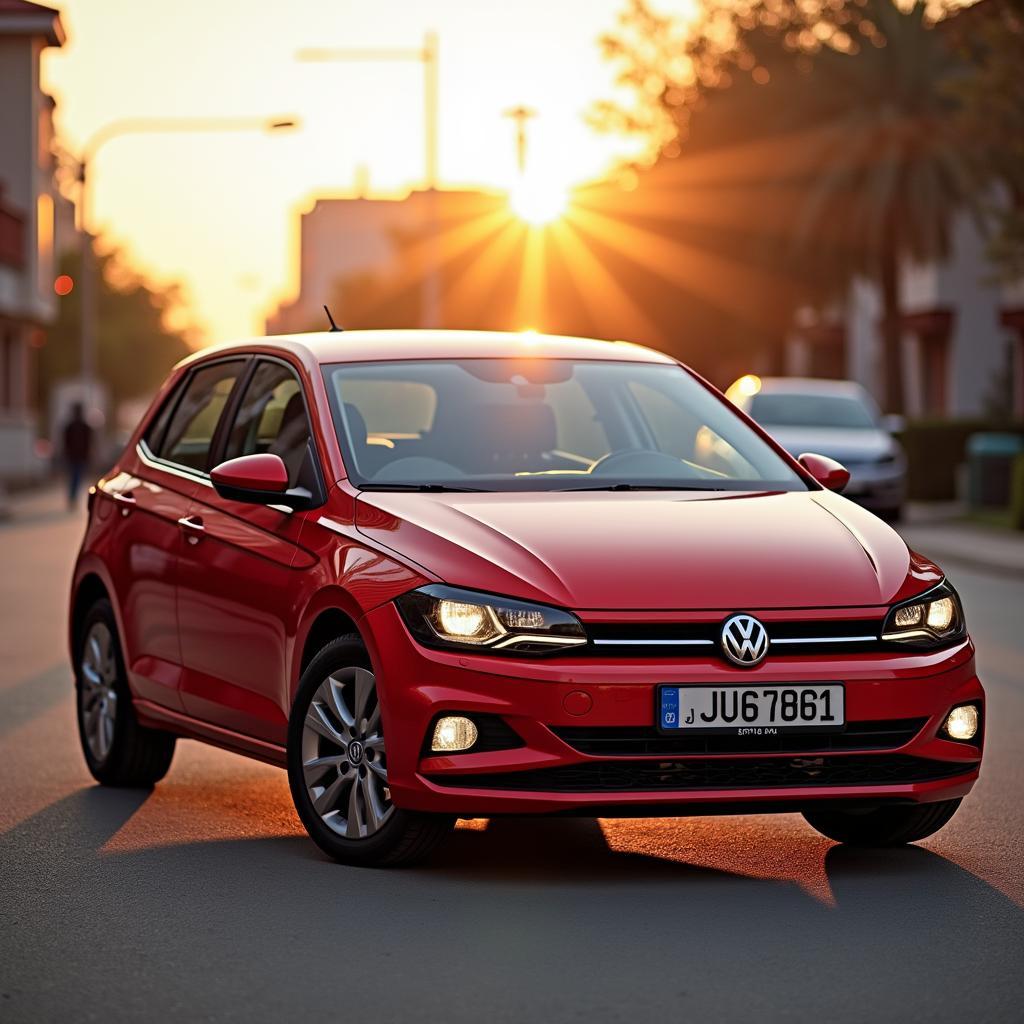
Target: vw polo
x,y
444,574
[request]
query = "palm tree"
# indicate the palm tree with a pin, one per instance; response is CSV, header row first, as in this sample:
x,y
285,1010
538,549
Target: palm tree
x,y
888,166
850,156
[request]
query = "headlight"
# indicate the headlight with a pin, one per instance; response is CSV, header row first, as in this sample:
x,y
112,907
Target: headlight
x,y
441,616
933,619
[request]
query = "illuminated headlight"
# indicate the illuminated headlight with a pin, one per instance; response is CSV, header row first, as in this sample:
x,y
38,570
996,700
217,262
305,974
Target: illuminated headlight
x,y
962,722
441,616
933,619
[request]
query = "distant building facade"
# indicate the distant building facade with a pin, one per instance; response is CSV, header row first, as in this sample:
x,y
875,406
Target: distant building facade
x,y
363,239
28,206
963,337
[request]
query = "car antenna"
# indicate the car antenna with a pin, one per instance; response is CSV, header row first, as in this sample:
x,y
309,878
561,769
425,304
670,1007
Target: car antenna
x,y
330,320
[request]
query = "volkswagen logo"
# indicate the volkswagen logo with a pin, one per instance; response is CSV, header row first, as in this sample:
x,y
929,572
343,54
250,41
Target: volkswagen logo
x,y
744,640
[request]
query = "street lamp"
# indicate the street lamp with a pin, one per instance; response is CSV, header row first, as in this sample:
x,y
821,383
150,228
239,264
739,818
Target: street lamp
x,y
427,55
105,134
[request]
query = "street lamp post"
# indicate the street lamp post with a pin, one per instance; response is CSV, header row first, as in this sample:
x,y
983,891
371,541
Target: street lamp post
x,y
115,130
427,55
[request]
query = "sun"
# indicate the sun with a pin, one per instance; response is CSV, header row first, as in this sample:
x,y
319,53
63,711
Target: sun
x,y
538,202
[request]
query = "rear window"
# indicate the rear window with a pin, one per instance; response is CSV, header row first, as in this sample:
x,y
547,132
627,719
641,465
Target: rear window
x,y
782,410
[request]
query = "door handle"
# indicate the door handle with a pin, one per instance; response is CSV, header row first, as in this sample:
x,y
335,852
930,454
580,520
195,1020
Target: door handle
x,y
193,524
125,500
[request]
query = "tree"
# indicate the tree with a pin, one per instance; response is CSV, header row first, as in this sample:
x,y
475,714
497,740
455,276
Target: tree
x,y
991,40
136,345
862,96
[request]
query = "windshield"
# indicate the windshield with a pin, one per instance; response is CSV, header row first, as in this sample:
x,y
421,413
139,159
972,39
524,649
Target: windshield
x,y
543,424
782,410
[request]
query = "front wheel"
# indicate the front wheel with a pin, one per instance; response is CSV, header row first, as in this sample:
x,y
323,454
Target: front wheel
x,y
337,766
883,826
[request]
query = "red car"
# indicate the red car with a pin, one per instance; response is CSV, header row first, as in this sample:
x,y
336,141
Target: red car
x,y
447,574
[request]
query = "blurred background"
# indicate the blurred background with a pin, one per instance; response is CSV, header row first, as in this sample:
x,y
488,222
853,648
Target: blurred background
x,y
778,192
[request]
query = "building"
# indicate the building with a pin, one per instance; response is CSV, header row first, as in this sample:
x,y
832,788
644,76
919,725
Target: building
x,y
963,337
360,239
28,200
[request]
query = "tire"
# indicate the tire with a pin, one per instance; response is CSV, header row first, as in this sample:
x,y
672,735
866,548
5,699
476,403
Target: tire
x,y
118,750
883,826
337,766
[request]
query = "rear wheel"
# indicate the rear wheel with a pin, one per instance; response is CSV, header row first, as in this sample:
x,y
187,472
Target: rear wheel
x,y
883,826
337,766
118,750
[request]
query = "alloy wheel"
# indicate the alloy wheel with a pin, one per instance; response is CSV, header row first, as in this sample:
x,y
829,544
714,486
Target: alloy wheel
x,y
344,763
99,694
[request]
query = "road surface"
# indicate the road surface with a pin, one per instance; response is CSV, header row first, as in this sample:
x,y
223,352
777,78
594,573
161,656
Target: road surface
x,y
203,900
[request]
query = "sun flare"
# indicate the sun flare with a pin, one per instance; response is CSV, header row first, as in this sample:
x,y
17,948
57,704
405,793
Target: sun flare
x,y
538,202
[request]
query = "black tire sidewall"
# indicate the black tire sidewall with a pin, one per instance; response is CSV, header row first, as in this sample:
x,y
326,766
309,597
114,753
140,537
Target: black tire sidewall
x,y
886,826
104,770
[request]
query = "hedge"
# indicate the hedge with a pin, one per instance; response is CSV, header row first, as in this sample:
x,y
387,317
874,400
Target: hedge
x,y
936,448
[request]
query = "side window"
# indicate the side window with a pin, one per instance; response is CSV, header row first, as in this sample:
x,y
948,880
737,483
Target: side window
x,y
190,430
272,418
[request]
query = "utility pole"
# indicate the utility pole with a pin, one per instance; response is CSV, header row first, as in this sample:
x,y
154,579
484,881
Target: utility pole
x,y
521,115
428,55
85,162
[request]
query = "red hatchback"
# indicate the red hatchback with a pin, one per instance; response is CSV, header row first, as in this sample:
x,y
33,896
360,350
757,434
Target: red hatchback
x,y
445,574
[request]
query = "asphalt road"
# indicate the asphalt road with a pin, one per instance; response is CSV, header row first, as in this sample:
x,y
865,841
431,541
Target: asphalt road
x,y
202,900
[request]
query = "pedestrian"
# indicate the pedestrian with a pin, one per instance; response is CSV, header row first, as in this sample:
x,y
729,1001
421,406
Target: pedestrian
x,y
77,450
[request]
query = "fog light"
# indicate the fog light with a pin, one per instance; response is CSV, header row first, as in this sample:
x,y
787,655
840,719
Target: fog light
x,y
962,723
453,733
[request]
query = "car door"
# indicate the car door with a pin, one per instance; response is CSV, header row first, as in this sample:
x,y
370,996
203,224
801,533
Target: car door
x,y
150,496
240,570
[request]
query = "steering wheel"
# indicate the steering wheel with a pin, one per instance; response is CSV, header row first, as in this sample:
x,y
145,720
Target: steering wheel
x,y
640,462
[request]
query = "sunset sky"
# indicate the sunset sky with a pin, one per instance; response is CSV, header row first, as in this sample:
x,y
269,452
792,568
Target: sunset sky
x,y
218,212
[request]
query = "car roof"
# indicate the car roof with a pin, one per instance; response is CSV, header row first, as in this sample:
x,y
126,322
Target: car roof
x,y
384,346
811,386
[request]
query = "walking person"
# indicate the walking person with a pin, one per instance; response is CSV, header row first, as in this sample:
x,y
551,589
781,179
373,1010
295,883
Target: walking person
x,y
77,450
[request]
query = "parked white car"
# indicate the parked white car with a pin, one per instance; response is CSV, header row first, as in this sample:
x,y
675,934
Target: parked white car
x,y
837,418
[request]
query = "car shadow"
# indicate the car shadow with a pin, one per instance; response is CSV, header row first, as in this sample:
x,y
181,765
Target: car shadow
x,y
522,919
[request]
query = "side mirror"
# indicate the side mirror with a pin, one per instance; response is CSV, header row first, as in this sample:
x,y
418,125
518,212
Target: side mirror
x,y
829,473
259,480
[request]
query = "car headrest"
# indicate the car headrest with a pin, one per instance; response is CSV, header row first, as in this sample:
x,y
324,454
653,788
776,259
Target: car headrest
x,y
504,438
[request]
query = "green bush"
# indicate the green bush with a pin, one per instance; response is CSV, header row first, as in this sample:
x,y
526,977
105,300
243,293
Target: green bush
x,y
935,448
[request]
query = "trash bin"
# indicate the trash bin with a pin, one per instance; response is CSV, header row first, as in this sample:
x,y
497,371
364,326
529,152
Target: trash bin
x,y
990,459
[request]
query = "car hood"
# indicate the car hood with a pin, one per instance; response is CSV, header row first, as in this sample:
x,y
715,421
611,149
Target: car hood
x,y
657,550
842,444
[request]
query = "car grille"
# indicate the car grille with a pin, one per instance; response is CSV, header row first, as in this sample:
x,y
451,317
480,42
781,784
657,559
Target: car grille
x,y
748,773
635,741
701,639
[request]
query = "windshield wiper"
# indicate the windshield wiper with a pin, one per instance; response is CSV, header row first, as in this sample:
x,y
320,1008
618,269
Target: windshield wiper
x,y
420,488
642,487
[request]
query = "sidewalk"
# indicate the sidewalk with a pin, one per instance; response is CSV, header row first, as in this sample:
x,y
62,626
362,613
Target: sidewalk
x,y
941,533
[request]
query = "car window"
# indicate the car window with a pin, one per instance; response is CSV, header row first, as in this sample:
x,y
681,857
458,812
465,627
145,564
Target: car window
x,y
680,431
543,424
795,410
190,430
272,418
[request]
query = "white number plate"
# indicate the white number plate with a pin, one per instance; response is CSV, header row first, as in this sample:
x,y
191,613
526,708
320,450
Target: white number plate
x,y
752,710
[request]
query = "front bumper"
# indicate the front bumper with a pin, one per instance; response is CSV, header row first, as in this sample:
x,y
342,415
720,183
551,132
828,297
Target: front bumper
x,y
549,774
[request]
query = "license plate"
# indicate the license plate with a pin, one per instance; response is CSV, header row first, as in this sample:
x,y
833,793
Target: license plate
x,y
752,710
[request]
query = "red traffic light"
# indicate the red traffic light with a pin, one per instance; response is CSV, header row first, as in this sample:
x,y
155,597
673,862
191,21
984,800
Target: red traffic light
x,y
64,284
